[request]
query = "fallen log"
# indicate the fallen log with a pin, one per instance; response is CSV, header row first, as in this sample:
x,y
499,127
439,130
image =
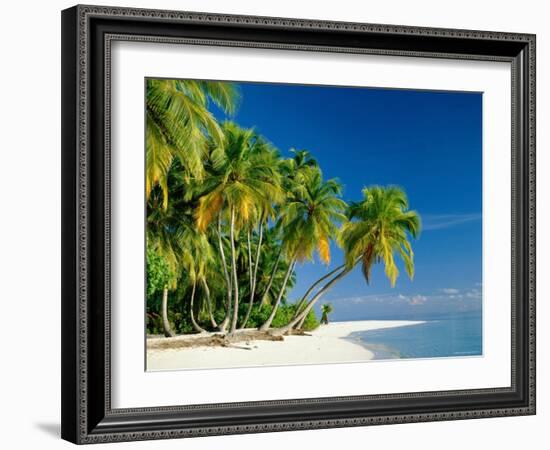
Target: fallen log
x,y
211,339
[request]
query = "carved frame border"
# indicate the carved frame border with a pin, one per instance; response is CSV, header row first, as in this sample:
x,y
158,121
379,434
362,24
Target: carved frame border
x,y
78,429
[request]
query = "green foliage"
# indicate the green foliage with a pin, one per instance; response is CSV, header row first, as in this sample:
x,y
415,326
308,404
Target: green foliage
x,y
378,227
179,125
228,217
283,316
326,309
311,212
183,324
158,273
311,322
243,178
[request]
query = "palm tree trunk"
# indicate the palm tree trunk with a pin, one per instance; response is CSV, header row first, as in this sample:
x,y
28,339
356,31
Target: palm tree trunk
x,y
271,278
312,287
312,302
196,326
254,274
209,303
234,272
300,324
223,325
165,322
265,326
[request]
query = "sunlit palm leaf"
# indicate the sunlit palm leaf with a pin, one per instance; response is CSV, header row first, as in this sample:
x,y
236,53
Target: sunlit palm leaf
x,y
379,226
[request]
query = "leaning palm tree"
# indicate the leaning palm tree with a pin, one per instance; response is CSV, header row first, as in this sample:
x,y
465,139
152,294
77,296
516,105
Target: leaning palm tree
x,y
179,125
378,227
308,223
164,238
196,256
242,185
168,230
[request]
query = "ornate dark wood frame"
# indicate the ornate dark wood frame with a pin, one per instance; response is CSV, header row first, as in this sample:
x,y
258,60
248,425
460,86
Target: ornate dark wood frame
x,y
87,32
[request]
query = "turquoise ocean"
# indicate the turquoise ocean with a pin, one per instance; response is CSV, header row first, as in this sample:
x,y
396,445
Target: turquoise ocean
x,y
456,335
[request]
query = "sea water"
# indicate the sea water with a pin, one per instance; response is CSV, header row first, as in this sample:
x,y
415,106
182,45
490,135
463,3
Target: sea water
x,y
457,335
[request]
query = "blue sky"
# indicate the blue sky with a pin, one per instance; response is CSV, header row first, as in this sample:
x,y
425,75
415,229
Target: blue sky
x,y
429,143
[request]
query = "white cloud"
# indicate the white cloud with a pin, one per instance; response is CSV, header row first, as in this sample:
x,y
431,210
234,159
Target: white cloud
x,y
450,291
451,296
473,293
418,300
441,221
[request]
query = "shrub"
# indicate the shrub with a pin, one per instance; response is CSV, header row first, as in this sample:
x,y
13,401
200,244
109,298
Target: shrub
x,y
283,316
158,272
259,314
311,321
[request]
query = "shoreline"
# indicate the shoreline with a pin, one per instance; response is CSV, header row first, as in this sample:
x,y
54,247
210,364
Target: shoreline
x,y
380,351
326,344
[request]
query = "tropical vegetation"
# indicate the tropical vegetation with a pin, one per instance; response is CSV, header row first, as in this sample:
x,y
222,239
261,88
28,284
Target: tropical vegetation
x,y
326,309
229,218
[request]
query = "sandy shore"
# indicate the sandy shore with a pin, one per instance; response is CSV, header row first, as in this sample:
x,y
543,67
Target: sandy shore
x,y
326,344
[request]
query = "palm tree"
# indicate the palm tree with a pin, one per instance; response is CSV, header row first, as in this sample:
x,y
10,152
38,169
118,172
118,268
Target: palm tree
x,y
227,278
273,273
271,266
303,300
165,232
253,264
163,236
159,278
294,171
179,125
308,221
196,256
171,233
326,309
379,226
242,185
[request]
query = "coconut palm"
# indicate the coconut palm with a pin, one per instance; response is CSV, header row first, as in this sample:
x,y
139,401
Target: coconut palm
x,y
242,185
303,301
253,265
164,237
196,256
165,228
308,223
159,278
222,245
179,124
326,309
169,233
378,227
298,167
294,170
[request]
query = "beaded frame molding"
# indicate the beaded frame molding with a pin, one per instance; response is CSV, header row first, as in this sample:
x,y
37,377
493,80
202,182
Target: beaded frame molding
x,y
87,34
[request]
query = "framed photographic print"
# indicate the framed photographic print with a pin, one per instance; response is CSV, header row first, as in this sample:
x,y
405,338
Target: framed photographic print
x,y
282,224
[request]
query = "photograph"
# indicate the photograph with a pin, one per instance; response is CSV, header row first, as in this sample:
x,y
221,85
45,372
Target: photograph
x,y
296,224
273,222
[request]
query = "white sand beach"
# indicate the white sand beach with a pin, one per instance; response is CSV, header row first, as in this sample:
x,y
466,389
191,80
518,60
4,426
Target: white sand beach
x,y
325,344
